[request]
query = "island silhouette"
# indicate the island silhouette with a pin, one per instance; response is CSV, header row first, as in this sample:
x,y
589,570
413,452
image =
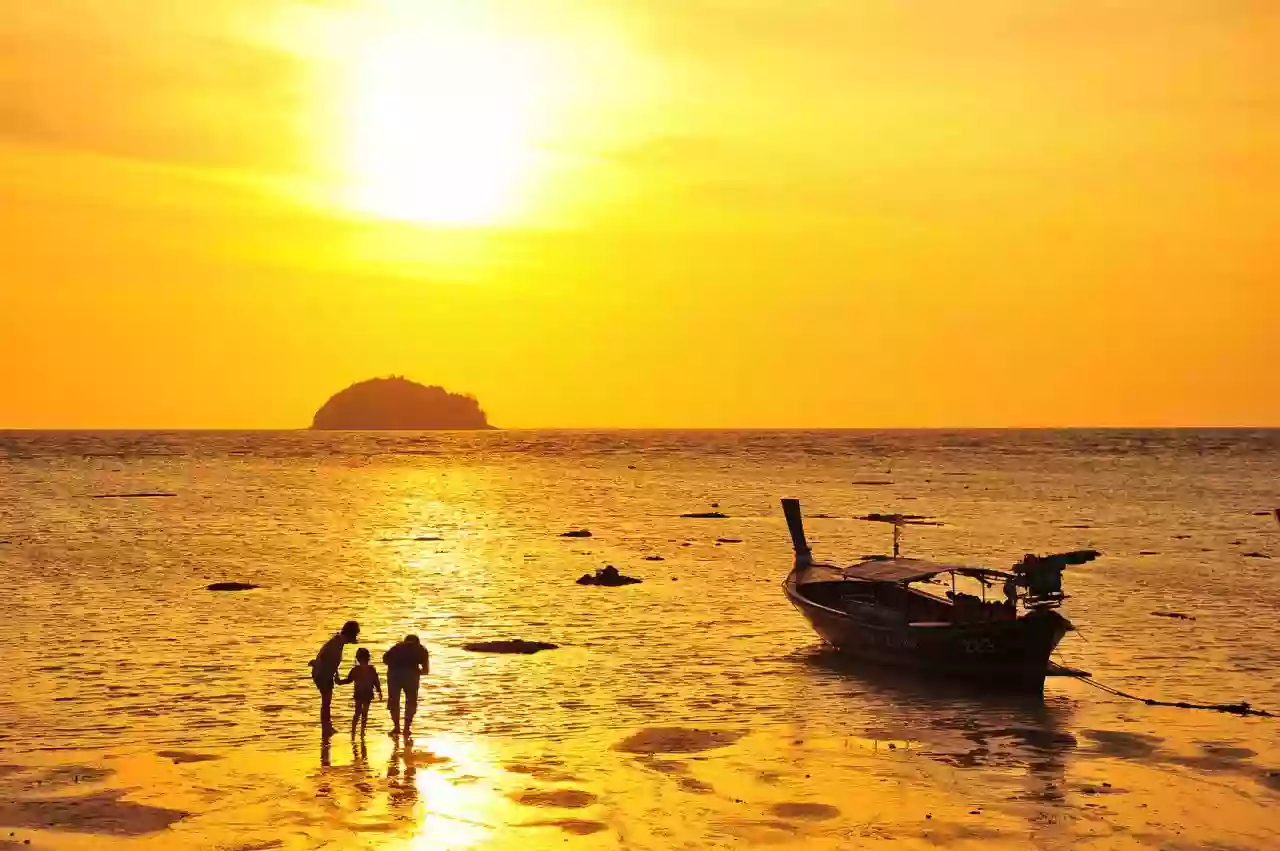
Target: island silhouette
x,y
395,403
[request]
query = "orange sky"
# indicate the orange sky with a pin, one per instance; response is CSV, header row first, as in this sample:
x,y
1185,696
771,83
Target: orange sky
x,y
669,213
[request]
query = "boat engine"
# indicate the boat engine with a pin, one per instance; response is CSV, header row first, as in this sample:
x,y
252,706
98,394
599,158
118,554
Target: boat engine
x,y
1041,576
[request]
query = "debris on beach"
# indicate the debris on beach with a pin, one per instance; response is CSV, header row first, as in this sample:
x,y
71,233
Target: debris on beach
x,y
1177,615
728,540
1148,553
903,519
654,558
231,586
138,495
576,533
705,515
1256,555
513,645
607,576
871,483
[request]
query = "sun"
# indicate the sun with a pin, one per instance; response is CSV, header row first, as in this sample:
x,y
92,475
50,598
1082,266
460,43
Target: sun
x,y
444,127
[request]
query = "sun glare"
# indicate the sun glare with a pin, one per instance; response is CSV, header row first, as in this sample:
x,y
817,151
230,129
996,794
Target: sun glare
x,y
444,127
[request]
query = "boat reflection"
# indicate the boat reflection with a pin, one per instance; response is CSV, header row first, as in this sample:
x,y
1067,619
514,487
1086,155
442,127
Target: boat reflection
x,y
1024,737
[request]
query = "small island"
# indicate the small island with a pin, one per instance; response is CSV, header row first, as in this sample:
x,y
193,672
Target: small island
x,y
398,404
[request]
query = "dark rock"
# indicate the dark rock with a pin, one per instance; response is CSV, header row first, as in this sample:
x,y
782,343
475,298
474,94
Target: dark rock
x,y
1256,555
653,558
395,403
1176,615
183,757
705,515
608,577
139,495
577,533
902,519
231,586
1148,553
514,645
728,540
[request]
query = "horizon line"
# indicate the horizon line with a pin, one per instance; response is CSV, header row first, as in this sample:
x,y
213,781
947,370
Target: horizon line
x,y
281,430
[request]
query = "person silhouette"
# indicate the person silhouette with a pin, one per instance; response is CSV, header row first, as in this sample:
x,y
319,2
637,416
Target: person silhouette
x,y
405,662
324,670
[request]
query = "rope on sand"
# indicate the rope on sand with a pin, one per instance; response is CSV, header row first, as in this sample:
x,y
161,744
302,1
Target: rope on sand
x,y
1241,708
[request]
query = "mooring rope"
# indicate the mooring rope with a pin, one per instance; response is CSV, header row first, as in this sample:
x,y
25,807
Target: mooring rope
x,y
1241,708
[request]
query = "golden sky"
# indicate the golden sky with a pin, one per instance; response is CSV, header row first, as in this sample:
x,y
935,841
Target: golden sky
x,y
667,213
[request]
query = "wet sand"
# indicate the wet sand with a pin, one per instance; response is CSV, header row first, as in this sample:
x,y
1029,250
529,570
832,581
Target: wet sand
x,y
695,710
1013,787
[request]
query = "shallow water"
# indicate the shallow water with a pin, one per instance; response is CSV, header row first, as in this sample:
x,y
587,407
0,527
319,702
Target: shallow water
x,y
695,710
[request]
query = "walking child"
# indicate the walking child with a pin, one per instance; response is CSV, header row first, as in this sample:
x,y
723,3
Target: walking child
x,y
367,683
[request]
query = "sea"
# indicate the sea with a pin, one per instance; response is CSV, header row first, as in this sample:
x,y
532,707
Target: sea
x,y
693,710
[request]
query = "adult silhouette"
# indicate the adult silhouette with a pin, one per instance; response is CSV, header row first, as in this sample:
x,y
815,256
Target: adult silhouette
x,y
324,670
405,662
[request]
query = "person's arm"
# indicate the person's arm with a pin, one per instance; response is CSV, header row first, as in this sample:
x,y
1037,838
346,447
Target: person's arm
x,y
426,661
344,680
377,684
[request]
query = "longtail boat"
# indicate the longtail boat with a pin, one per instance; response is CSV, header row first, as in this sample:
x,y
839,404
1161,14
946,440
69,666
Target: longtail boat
x,y
876,610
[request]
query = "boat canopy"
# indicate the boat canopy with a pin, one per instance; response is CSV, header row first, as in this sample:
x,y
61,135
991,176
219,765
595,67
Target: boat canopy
x,y
893,570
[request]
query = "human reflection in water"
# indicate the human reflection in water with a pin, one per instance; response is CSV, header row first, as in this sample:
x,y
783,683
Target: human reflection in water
x,y
345,789
402,777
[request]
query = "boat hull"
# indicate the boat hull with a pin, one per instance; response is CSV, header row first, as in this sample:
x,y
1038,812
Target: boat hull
x,y
1010,655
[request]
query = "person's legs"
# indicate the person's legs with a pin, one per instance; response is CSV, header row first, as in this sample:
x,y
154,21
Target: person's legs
x,y
361,715
325,685
393,701
410,702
